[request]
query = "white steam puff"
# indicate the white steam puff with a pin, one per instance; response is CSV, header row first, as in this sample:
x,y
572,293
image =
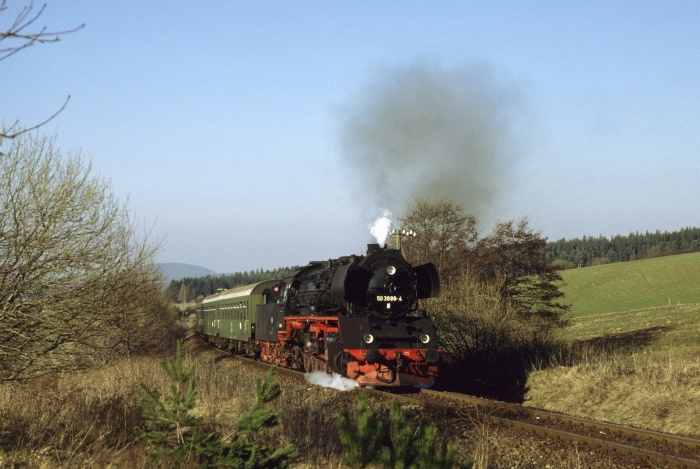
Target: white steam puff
x,y
334,381
381,227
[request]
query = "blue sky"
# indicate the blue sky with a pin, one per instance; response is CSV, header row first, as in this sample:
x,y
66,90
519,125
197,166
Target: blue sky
x,y
253,134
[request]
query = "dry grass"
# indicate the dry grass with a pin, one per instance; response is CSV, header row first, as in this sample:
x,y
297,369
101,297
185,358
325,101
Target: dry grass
x,y
87,420
73,420
481,439
639,368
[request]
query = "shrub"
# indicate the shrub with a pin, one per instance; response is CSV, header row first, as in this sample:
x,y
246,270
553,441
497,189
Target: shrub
x,y
488,346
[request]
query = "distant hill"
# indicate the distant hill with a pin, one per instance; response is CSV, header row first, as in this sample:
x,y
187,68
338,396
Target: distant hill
x,y
175,271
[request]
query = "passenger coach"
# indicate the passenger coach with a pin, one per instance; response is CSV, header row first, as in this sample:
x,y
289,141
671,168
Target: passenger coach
x,y
230,315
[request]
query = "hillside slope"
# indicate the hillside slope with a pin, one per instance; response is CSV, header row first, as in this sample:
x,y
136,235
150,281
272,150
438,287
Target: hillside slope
x,y
626,286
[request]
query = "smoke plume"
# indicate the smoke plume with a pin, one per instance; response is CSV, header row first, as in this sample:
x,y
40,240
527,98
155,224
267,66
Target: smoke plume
x,y
421,131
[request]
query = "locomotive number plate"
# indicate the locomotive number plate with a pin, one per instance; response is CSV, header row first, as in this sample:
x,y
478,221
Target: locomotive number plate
x,y
389,298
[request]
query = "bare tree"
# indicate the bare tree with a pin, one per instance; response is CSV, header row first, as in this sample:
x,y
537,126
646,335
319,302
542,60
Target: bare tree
x,y
71,264
473,319
444,234
18,36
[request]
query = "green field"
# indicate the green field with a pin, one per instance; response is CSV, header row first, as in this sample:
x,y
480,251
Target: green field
x,y
626,286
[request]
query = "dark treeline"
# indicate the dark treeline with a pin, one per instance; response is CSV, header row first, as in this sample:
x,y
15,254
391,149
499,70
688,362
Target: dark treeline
x,y
564,253
194,289
601,250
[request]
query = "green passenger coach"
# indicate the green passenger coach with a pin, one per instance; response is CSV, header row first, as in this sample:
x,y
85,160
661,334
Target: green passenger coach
x,y
229,317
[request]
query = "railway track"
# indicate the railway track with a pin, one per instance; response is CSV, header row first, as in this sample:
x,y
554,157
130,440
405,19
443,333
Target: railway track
x,y
628,446
637,447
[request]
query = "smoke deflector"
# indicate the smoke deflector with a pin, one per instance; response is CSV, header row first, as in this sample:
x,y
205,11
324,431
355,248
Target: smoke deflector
x,y
427,281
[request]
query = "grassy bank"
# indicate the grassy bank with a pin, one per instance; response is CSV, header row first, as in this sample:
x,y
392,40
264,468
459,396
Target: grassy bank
x,y
636,355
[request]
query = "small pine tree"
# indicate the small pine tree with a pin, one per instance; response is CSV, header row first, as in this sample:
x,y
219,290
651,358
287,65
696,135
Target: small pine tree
x,y
169,430
414,445
399,444
260,417
361,438
173,437
402,434
426,454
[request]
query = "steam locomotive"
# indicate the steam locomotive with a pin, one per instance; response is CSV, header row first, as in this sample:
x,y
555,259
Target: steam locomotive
x,y
357,316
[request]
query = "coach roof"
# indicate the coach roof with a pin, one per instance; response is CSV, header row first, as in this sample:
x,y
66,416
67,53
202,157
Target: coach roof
x,y
240,292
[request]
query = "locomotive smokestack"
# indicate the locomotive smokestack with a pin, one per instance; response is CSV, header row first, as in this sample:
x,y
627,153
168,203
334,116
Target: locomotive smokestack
x,y
373,248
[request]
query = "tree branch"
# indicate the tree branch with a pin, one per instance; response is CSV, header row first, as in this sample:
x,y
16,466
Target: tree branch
x,y
10,134
17,32
23,21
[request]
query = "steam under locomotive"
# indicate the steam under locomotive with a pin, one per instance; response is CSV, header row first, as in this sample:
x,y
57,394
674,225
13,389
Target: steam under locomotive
x,y
356,316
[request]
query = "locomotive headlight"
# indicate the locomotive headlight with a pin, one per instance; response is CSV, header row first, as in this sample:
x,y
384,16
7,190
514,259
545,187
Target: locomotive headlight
x,y
391,270
368,338
424,338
